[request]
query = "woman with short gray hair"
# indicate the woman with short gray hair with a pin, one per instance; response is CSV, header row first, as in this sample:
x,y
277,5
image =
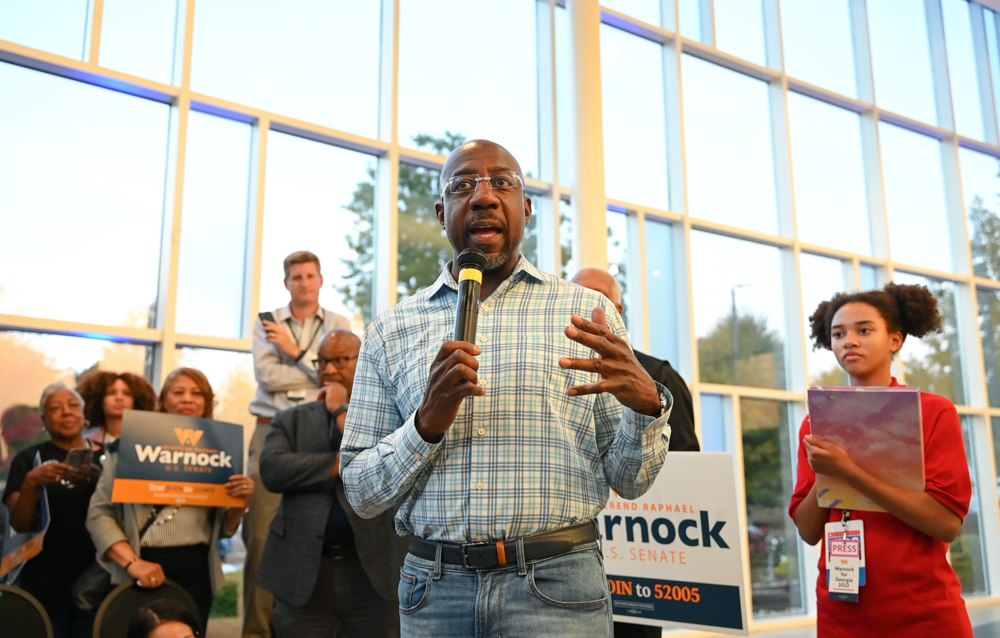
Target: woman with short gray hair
x,y
69,483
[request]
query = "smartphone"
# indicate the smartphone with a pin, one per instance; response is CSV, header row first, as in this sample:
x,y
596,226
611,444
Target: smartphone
x,y
266,316
78,457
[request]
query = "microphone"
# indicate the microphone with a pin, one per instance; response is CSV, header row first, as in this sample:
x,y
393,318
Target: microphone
x,y
471,264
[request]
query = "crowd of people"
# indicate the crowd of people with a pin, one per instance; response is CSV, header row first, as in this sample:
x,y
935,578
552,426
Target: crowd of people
x,y
178,543
371,481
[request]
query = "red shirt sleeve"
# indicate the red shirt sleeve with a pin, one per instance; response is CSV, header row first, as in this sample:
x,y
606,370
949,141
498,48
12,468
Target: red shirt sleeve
x,y
806,477
946,469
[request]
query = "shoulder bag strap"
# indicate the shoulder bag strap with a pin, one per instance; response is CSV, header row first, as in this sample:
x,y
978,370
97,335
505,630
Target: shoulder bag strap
x,y
149,521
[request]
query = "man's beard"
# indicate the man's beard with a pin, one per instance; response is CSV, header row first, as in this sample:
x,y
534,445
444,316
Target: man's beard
x,y
496,262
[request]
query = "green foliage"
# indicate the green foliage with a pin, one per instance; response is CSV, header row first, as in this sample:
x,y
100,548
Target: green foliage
x,y
940,369
761,354
835,376
423,247
989,322
984,240
762,461
225,604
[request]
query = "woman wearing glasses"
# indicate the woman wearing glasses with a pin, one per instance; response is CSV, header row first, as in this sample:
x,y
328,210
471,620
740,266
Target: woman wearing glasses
x,y
180,542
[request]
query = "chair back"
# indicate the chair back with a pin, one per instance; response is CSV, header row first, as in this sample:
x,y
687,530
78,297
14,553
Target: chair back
x,y
22,615
117,610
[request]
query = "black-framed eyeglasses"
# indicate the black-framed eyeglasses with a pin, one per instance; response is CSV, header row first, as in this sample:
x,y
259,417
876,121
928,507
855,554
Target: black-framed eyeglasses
x,y
338,362
465,184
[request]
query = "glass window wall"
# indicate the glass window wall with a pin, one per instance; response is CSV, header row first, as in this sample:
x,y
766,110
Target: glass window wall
x,y
320,198
967,551
443,95
934,363
138,38
312,60
826,149
635,137
822,278
81,179
981,192
775,570
214,227
717,135
816,36
901,59
915,199
660,293
738,319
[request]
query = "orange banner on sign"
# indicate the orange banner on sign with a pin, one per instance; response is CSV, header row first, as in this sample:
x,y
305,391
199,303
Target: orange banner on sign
x,y
25,552
173,493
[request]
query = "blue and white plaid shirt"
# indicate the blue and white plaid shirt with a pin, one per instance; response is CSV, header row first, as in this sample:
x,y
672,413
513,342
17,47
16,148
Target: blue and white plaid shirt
x,y
526,457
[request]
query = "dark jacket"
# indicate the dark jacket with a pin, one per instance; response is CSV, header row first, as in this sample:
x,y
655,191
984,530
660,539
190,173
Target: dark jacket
x,y
296,462
682,436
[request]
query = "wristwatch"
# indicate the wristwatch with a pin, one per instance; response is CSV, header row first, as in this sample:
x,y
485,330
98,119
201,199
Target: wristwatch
x,y
665,401
336,413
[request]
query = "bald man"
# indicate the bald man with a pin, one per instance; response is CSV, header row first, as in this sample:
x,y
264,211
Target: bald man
x,y
504,451
683,437
326,567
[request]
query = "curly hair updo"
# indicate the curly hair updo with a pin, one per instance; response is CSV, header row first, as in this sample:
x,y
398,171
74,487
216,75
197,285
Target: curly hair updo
x,y
911,310
93,386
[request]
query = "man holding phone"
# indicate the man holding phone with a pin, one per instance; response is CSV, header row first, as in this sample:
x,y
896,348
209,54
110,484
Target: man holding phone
x,y
285,344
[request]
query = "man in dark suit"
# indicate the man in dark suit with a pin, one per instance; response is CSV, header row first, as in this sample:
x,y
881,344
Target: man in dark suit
x,y
683,437
326,566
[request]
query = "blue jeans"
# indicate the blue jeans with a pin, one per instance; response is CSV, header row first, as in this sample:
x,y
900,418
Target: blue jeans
x,y
563,596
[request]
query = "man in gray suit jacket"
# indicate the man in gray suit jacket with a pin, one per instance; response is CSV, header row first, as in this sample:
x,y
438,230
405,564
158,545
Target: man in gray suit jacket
x,y
326,566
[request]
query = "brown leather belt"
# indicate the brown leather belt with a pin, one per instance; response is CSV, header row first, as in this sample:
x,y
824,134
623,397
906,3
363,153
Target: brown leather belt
x,y
503,553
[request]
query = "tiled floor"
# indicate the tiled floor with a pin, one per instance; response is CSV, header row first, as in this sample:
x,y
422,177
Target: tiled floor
x,y
985,624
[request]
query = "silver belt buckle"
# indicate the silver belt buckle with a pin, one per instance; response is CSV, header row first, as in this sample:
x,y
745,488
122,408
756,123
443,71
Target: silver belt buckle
x,y
464,554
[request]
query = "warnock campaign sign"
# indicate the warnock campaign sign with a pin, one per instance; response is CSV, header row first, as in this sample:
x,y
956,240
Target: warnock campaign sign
x,y
167,459
674,557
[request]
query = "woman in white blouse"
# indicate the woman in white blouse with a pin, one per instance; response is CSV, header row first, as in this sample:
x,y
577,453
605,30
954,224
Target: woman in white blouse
x,y
181,541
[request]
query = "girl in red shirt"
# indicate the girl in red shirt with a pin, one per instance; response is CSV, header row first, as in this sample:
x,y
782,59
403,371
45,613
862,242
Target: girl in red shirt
x,y
911,589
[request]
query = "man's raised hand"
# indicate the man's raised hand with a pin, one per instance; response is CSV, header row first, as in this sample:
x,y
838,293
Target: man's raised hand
x,y
621,373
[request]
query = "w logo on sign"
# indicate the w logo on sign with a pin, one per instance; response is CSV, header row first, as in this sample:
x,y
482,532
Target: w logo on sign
x,y
188,437
843,562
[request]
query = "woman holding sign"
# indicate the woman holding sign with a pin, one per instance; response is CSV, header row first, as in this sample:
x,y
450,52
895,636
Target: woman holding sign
x,y
150,544
909,587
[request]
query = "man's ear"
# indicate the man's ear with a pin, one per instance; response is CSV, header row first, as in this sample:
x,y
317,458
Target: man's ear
x,y
439,209
527,210
285,281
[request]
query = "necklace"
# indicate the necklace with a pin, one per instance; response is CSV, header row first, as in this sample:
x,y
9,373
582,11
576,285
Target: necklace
x,y
163,520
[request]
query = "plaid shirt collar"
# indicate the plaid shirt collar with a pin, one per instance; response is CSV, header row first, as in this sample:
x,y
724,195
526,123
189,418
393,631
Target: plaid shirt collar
x,y
524,271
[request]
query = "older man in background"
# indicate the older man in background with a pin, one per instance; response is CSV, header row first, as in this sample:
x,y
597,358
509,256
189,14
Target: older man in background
x,y
326,566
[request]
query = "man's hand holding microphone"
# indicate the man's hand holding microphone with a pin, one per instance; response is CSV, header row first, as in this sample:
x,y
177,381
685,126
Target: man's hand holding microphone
x,y
454,372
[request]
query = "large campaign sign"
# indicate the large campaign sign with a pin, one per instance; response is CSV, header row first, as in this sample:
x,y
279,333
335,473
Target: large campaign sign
x,y
674,557
167,459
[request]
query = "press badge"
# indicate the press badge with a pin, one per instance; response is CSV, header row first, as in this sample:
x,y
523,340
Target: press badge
x,y
844,543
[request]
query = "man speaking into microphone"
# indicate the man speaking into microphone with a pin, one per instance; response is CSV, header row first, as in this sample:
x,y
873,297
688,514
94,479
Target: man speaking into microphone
x,y
501,452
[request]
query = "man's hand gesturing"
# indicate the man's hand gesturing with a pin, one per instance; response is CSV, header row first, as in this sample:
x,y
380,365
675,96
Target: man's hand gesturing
x,y
453,377
621,373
